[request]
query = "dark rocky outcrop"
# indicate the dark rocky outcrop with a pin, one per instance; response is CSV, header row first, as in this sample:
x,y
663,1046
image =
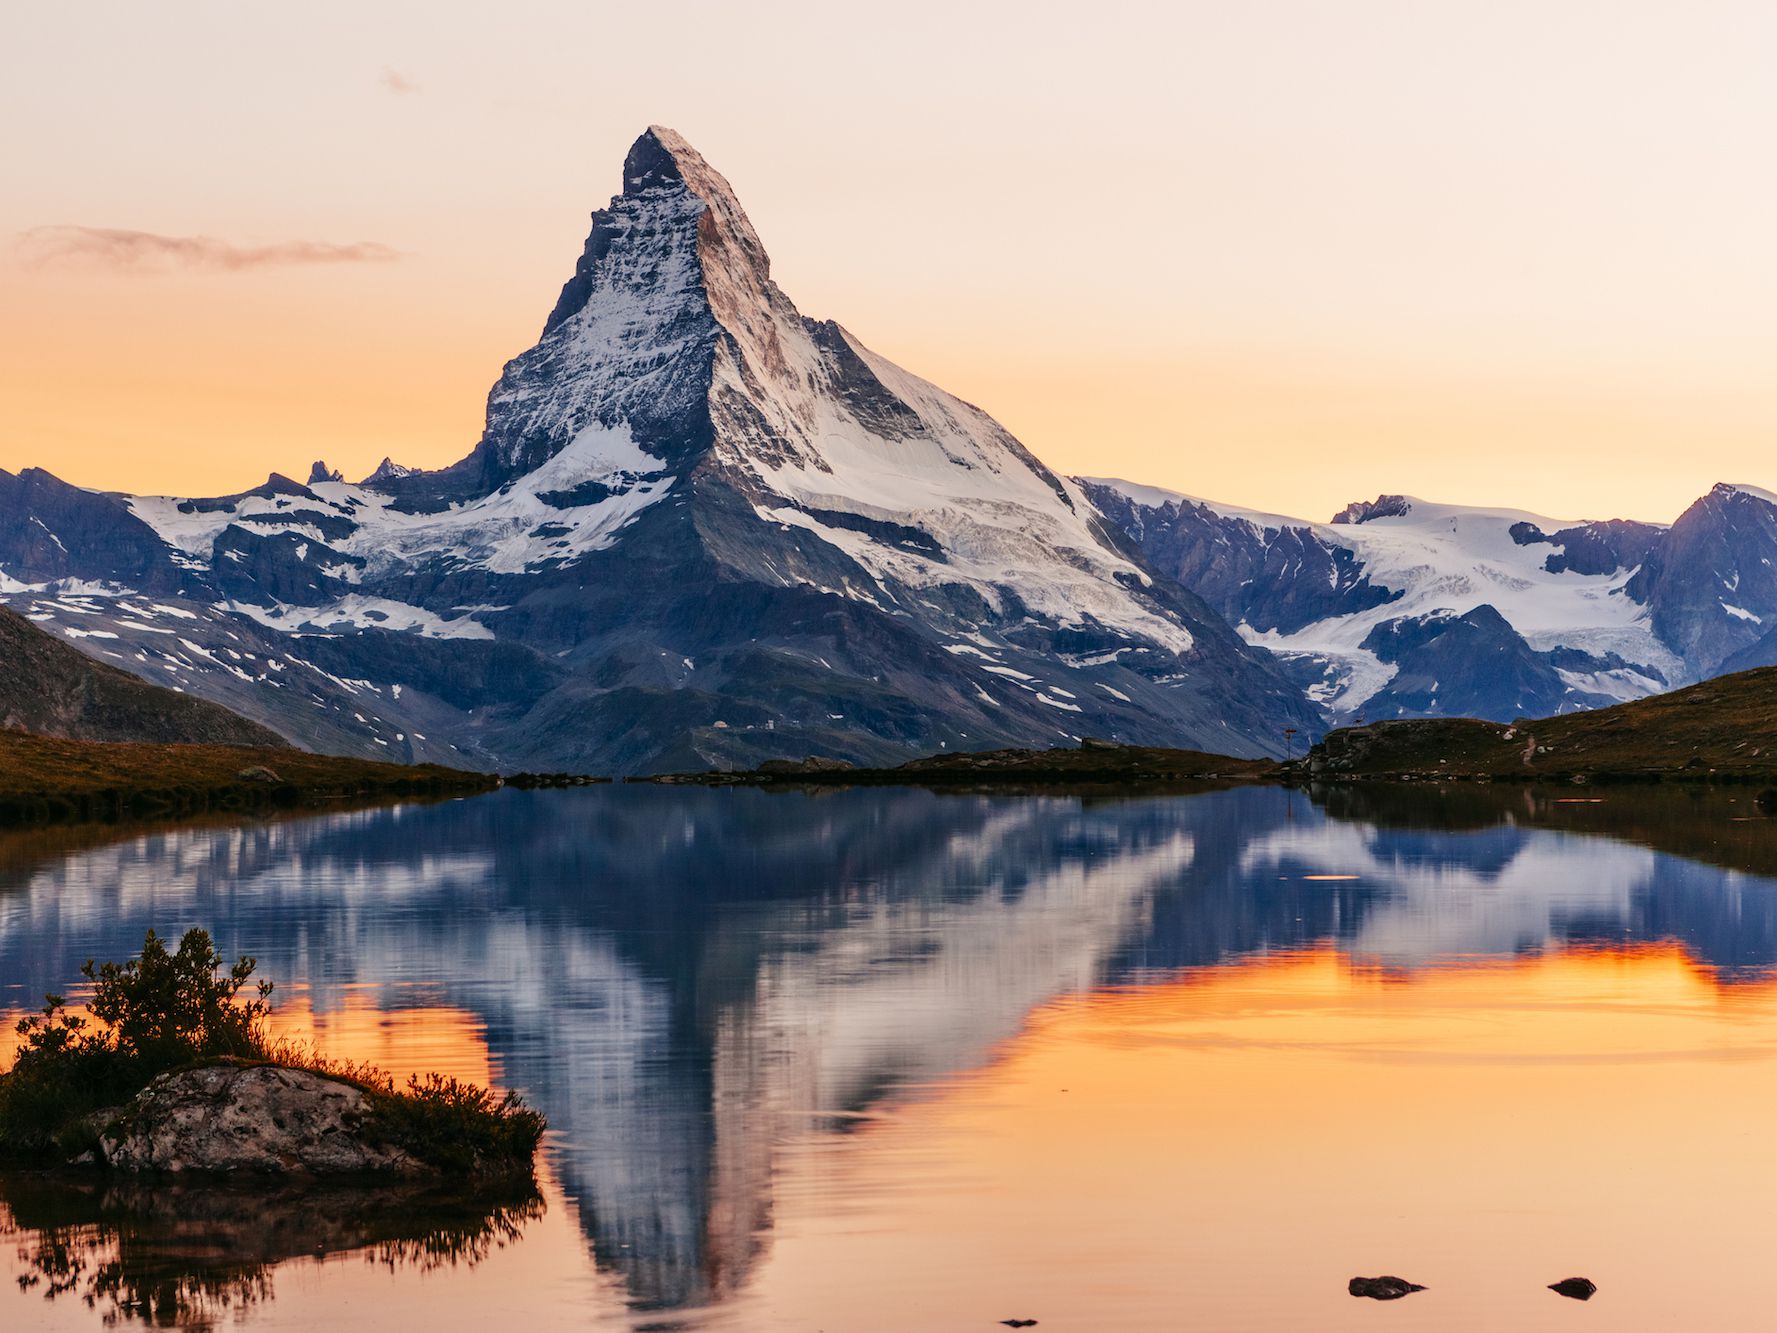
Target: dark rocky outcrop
x,y
1710,585
1575,1288
1474,664
1385,1288
1383,506
1593,548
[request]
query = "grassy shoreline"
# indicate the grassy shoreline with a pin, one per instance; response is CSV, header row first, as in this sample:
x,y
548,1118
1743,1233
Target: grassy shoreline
x,y
1095,764
47,780
1723,730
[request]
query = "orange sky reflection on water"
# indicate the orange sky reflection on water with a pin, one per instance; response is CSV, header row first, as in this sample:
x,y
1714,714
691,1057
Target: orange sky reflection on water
x,y
1226,1149
397,1041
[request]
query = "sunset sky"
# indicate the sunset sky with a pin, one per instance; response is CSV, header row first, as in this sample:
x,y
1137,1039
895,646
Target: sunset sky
x,y
1283,254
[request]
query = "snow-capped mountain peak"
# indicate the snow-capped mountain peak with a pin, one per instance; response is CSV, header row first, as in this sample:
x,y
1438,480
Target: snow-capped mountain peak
x,y
699,528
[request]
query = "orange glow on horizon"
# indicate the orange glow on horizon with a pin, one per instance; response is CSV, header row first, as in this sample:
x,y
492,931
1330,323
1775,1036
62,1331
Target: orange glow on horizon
x,y
1282,256
204,386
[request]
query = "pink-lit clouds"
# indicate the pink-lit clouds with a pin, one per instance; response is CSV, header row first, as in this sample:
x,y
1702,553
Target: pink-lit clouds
x,y
124,250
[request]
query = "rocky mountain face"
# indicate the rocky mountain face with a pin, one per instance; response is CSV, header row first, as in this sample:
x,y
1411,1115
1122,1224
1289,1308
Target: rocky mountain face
x,y
700,529
1403,608
1710,585
50,689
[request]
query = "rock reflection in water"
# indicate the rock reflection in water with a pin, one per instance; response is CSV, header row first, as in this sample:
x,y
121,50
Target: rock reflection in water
x,y
187,1255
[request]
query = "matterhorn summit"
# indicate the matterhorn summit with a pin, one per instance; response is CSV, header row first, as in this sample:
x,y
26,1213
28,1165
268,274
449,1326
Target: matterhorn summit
x,y
699,529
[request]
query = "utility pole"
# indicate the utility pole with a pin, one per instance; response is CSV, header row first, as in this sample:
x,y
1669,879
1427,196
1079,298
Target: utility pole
x,y
1289,741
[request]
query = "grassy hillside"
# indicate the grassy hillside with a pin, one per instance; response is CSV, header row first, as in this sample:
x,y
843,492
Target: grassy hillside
x,y
1726,727
52,689
46,779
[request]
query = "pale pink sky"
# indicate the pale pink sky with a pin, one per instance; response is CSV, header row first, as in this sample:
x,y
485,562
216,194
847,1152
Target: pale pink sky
x,y
1283,254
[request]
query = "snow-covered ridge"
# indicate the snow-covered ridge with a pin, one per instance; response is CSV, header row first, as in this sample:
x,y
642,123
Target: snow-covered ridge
x,y
547,516
1442,558
999,522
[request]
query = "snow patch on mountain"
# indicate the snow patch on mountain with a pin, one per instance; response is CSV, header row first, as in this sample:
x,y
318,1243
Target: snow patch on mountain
x,y
360,612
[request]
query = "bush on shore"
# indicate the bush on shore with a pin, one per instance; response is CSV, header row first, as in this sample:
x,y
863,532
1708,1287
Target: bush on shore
x,y
168,1010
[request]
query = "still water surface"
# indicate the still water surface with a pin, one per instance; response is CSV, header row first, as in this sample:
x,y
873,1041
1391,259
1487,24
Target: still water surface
x,y
896,1060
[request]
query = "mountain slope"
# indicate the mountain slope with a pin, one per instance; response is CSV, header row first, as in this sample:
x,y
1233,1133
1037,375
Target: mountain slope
x,y
50,689
699,530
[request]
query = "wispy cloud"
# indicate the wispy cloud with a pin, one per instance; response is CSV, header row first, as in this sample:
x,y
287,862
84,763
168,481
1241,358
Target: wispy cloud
x,y
149,252
396,82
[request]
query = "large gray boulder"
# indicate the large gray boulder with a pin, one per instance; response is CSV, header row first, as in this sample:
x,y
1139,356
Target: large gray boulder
x,y
252,1119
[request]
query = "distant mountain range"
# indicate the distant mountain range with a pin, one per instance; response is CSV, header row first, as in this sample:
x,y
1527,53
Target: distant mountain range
x,y
704,530
1403,608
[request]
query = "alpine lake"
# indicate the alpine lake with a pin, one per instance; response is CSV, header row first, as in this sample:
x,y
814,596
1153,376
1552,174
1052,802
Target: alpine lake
x,y
887,1058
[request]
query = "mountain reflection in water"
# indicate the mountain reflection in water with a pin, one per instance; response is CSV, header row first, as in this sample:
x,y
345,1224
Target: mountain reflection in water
x,y
684,980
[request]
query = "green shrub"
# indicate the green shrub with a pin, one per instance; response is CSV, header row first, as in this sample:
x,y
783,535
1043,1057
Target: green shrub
x,y
154,1013
169,1009
459,1127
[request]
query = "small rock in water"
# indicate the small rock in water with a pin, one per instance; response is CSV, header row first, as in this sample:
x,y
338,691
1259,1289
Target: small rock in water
x,y
1575,1288
1019,1323
1385,1288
